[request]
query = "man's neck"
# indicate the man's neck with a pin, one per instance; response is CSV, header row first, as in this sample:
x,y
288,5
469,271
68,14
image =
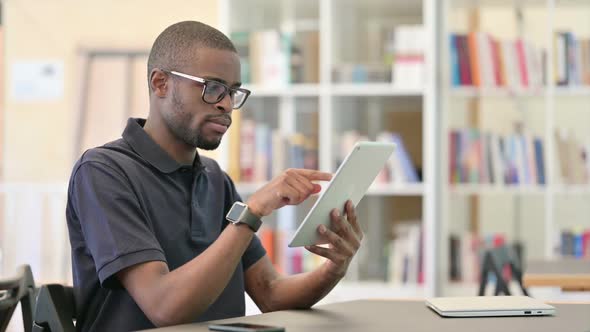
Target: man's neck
x,y
181,152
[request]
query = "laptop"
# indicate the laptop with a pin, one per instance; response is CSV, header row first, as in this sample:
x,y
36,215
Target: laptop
x,y
487,306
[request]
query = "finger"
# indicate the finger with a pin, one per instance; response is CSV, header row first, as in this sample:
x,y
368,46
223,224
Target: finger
x,y
342,227
351,216
314,175
336,222
337,242
299,188
308,185
327,253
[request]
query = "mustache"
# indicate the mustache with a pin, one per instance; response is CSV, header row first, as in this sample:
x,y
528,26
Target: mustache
x,y
223,117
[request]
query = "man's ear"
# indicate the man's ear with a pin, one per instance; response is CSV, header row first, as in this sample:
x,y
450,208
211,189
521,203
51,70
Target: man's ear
x,y
159,83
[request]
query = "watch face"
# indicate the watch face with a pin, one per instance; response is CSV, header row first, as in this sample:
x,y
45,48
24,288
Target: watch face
x,y
236,211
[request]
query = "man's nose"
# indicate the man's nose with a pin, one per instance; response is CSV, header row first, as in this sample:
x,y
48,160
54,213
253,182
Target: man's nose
x,y
226,104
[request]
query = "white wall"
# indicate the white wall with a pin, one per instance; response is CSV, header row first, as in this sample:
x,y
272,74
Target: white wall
x,y
38,135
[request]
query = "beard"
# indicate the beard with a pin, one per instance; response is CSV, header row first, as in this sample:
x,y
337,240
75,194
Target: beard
x,y
179,120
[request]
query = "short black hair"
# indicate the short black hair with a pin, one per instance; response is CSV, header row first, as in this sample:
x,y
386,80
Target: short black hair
x,y
177,45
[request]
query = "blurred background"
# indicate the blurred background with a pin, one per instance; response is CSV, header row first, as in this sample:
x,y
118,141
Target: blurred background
x,y
488,101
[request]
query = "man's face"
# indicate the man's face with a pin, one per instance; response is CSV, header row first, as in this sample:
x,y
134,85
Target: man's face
x,y
188,117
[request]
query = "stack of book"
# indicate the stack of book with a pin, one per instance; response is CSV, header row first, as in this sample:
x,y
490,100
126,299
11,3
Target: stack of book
x,y
487,158
408,60
574,158
258,153
575,243
395,54
572,59
405,255
269,57
480,60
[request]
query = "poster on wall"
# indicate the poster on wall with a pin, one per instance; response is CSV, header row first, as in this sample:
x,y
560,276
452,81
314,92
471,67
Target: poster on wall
x,y
37,81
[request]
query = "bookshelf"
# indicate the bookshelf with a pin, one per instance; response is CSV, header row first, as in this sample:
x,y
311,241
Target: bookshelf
x,y
404,189
560,91
341,89
479,189
355,94
334,81
299,90
374,89
546,216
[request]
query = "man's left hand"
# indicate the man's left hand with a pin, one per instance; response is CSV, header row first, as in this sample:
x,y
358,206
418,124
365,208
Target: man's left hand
x,y
344,240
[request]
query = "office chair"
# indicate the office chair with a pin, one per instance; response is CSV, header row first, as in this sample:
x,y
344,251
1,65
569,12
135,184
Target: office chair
x,y
20,288
493,263
55,310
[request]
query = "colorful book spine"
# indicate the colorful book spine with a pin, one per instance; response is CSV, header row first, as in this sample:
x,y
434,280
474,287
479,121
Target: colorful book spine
x,y
478,157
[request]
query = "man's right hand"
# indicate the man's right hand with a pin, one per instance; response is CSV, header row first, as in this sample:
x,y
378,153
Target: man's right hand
x,y
290,188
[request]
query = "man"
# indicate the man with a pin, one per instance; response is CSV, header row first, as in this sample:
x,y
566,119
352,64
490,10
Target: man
x,y
146,214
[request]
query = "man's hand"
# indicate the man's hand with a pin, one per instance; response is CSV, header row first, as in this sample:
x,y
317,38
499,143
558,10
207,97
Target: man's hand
x,y
290,188
344,241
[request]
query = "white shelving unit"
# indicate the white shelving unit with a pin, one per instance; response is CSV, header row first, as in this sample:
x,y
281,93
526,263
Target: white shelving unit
x,y
374,89
401,189
477,189
338,22
298,90
537,211
559,91
337,89
483,189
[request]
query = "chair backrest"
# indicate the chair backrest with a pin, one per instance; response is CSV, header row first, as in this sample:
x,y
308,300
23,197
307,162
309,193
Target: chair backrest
x,y
55,310
20,288
493,262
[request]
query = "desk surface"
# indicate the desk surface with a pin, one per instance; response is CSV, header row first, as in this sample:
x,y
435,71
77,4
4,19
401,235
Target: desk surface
x,y
569,274
391,315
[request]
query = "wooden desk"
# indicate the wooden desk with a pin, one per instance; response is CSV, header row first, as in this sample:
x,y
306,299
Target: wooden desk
x,y
399,315
569,274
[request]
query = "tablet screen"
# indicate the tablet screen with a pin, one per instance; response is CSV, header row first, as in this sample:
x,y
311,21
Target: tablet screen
x,y
351,181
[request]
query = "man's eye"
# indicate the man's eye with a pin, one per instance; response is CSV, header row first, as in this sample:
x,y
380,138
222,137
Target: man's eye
x,y
215,88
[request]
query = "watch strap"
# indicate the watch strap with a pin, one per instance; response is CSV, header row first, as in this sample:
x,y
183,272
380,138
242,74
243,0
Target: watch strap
x,y
252,220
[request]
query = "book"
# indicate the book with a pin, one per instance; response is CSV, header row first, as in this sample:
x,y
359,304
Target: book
x,y
481,60
479,157
305,57
405,252
241,41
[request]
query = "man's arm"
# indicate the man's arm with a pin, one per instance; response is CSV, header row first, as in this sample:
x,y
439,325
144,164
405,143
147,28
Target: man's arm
x,y
179,296
168,298
273,292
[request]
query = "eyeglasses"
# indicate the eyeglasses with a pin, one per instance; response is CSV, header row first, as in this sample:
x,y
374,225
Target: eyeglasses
x,y
214,92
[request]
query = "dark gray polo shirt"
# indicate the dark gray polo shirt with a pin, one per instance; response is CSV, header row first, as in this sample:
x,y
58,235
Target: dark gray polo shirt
x,y
129,202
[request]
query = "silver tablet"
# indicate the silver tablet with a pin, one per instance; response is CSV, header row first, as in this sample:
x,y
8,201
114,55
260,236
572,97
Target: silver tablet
x,y
351,181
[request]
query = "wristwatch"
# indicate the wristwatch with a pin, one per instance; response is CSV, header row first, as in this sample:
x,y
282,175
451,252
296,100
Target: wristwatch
x,y
240,214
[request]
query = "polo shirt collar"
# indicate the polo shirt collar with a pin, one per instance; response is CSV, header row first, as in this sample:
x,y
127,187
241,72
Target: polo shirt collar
x,y
146,148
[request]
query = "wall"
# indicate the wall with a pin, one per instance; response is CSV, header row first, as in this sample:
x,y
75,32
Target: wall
x,y
38,136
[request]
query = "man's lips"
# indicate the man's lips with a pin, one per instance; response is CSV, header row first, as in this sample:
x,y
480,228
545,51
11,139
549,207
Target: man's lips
x,y
219,126
221,122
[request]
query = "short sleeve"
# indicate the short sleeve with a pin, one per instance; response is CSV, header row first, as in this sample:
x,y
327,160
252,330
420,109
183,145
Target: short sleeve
x,y
113,224
255,250
253,253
